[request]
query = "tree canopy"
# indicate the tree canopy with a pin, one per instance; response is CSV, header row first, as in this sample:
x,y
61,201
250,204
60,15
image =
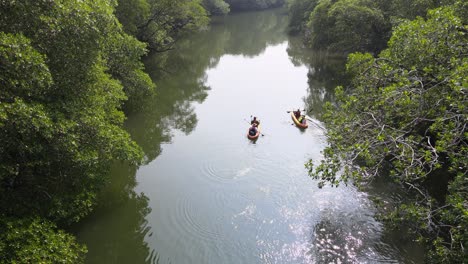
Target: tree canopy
x,y
216,7
159,23
352,25
66,69
404,118
299,12
347,25
61,127
33,240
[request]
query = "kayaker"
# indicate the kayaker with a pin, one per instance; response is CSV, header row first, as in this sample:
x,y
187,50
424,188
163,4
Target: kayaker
x,y
253,129
301,119
255,121
297,113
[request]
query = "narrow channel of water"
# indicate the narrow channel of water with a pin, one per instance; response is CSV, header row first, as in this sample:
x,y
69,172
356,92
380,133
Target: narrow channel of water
x,y
206,193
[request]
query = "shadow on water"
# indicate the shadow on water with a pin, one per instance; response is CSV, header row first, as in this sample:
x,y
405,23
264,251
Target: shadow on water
x,y
325,72
115,232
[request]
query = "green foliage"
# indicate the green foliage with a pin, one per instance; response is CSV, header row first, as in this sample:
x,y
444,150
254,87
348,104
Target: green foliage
x,y
36,80
353,25
410,9
65,69
123,54
320,20
299,11
404,117
461,8
59,112
347,25
160,23
132,13
216,7
33,240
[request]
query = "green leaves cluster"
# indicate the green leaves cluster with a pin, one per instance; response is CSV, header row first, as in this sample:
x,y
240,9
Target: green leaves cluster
x,y
404,117
347,25
33,240
66,67
60,117
299,12
216,7
352,25
159,23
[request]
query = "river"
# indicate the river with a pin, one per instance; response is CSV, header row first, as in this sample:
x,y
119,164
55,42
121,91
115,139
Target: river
x,y
207,194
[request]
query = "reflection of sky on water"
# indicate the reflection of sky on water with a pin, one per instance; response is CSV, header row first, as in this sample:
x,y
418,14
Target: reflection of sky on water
x,y
210,195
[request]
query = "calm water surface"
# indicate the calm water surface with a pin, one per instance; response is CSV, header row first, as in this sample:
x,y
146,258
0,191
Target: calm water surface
x,y
207,194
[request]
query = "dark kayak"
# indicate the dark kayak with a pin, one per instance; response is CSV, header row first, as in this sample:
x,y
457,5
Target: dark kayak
x,y
254,136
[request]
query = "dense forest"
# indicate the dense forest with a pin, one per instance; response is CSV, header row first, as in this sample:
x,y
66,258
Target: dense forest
x,y
71,70
403,117
347,26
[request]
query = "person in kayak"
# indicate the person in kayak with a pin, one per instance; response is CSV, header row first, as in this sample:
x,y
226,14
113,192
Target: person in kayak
x,y
255,121
253,129
297,114
301,119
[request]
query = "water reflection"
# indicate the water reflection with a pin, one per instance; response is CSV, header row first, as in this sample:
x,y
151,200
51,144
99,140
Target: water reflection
x,y
243,33
248,34
206,194
326,71
116,232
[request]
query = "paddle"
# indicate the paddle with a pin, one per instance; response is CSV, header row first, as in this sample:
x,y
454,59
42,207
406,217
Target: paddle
x,y
303,110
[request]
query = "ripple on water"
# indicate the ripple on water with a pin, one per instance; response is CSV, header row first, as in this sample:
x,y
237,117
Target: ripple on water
x,y
192,223
217,170
223,200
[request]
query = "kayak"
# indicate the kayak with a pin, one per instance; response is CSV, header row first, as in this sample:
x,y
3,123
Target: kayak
x,y
298,124
256,135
